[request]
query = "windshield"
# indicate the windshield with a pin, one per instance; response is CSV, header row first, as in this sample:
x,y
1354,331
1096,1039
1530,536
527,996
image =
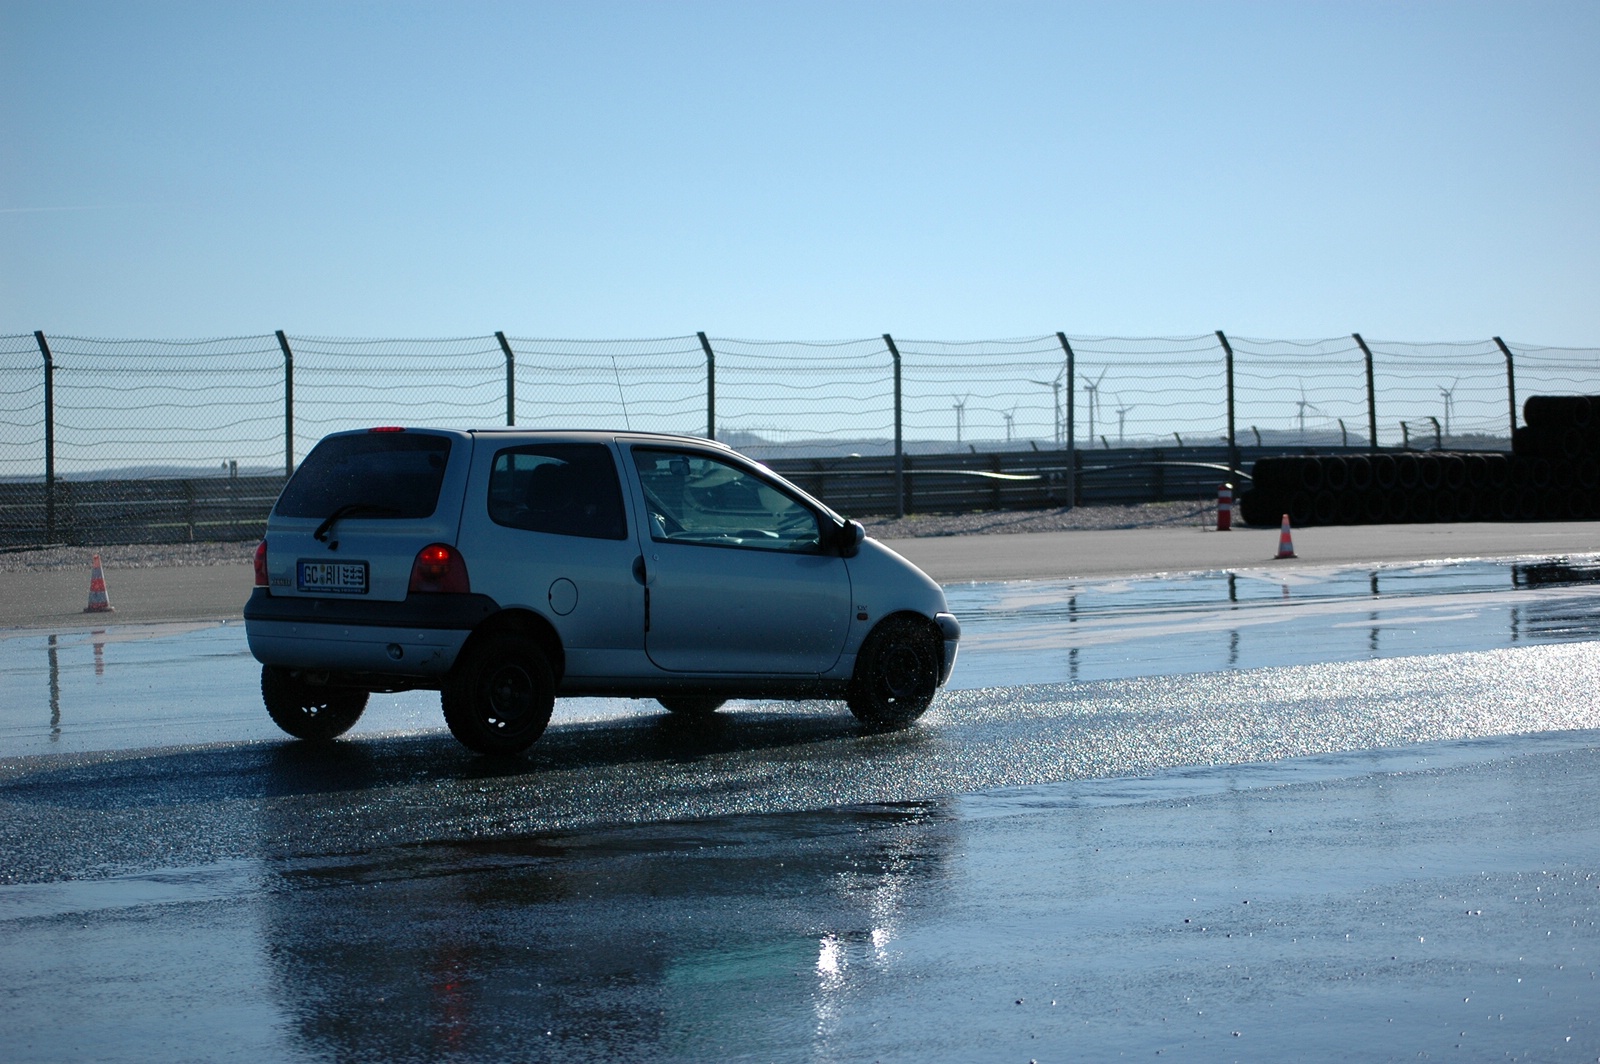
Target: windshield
x,y
396,474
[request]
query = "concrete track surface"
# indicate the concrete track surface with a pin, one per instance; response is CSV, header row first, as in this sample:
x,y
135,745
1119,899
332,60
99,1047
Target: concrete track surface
x,y
1388,858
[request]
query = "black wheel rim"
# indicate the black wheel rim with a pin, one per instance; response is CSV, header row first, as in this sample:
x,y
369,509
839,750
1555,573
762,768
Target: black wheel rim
x,y
508,697
903,672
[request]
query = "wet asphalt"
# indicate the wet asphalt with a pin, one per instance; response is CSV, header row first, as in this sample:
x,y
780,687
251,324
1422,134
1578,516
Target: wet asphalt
x,y
1215,819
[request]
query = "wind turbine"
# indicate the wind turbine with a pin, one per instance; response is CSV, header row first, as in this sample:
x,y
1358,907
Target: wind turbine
x,y
1010,417
1449,402
1055,386
1303,405
1122,412
1094,399
961,413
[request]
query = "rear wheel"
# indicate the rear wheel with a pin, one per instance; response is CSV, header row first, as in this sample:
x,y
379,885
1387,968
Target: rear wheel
x,y
499,697
692,705
897,672
306,711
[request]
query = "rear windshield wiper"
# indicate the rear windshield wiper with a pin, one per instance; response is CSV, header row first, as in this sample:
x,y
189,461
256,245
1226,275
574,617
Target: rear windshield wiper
x,y
351,509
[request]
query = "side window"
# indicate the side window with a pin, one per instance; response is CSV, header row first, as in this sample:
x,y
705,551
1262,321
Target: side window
x,y
691,498
566,489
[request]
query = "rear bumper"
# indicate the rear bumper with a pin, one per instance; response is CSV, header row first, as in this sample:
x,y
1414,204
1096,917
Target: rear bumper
x,y
414,611
419,636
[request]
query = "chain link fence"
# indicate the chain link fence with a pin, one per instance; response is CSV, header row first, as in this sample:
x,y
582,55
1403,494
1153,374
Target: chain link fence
x,y
77,410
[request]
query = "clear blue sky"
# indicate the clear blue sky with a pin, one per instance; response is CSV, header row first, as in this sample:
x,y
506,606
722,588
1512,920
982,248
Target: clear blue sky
x,y
1424,171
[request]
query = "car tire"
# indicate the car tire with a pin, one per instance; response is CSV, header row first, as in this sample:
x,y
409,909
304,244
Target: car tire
x,y
897,672
307,712
692,705
498,698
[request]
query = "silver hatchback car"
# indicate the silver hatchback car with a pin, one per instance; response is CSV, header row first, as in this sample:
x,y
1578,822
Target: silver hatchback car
x,y
504,567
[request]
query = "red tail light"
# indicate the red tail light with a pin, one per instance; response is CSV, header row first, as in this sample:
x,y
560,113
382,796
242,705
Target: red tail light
x,y
261,564
439,569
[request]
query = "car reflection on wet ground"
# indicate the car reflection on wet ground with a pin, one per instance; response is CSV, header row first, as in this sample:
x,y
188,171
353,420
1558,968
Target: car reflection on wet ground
x,y
1229,818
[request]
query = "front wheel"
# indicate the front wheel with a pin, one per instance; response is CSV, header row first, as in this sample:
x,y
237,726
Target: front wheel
x,y
308,712
498,698
897,672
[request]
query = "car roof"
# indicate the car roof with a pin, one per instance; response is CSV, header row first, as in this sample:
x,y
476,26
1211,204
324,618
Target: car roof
x,y
547,433
603,434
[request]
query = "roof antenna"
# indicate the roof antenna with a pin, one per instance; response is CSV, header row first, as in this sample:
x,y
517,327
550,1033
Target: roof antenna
x,y
620,394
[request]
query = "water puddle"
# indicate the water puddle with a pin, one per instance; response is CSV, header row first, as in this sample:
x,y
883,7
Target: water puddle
x,y
1066,631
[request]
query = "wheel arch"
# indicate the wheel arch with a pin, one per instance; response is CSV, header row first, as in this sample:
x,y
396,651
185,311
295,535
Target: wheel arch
x,y
892,618
525,623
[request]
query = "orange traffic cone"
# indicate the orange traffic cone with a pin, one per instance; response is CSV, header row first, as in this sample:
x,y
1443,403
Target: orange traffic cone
x,y
99,601
1285,542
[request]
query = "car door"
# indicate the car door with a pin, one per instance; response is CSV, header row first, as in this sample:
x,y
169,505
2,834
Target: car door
x,y
549,531
739,579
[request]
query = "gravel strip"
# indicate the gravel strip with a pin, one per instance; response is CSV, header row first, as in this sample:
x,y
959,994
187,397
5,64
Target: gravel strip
x,y
128,556
988,522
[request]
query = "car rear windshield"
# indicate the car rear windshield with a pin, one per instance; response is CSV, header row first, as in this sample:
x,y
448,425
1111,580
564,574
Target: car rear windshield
x,y
395,474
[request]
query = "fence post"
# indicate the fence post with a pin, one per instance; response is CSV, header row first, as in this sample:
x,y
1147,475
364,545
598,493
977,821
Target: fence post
x,y
1372,395
1072,432
1511,384
1233,447
899,451
288,405
511,379
49,437
711,387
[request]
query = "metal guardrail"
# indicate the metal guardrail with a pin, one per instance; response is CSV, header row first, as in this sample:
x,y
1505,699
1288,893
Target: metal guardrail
x,y
1010,479
104,512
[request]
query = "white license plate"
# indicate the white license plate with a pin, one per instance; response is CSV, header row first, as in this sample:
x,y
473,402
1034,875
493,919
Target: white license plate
x,y
335,578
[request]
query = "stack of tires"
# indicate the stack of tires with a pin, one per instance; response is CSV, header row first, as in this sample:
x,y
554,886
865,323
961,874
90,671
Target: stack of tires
x,y
1553,473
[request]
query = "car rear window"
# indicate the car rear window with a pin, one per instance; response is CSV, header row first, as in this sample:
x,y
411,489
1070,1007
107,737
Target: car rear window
x,y
566,489
397,474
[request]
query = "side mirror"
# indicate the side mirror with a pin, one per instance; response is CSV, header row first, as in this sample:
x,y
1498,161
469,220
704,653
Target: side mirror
x,y
849,537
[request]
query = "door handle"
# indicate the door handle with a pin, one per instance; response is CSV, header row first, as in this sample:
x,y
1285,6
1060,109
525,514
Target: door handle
x,y
639,572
